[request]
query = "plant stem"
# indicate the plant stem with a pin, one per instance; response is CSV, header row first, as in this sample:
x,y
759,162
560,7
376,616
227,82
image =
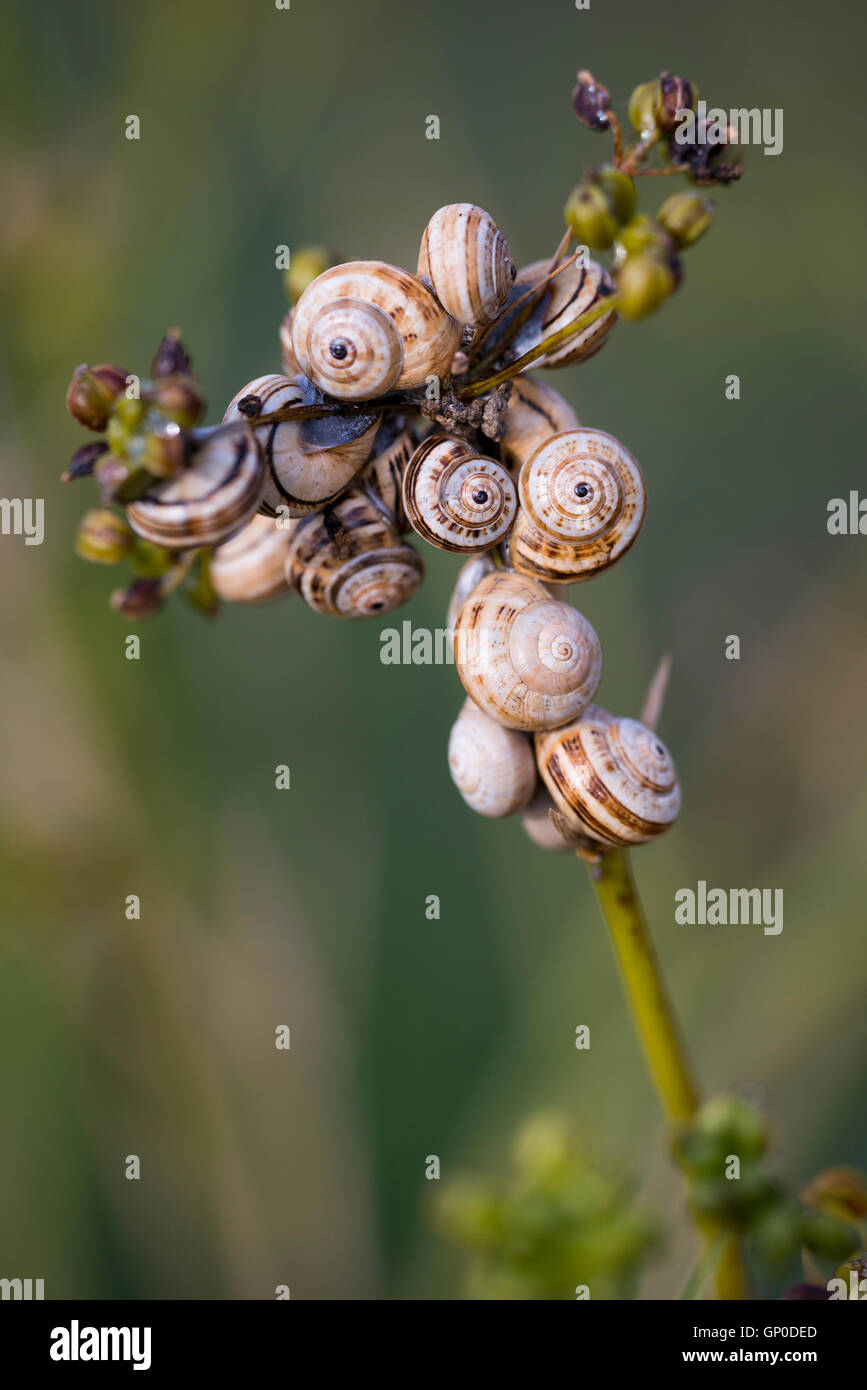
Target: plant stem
x,y
598,311
656,1025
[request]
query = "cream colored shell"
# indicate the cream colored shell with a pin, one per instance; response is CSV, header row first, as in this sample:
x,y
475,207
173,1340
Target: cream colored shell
x,y
301,478
469,575
613,780
210,499
572,293
539,825
493,768
251,566
535,412
349,562
527,660
291,365
365,328
382,475
582,505
455,498
467,261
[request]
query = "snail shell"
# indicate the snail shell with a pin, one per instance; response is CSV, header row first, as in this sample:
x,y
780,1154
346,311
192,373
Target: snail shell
x,y
467,261
539,825
457,499
301,477
535,412
575,290
613,780
365,328
252,564
291,366
582,505
527,660
349,562
469,576
382,475
493,768
209,500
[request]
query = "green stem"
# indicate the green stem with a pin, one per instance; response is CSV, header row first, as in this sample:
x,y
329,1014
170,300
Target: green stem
x,y
656,1025
479,388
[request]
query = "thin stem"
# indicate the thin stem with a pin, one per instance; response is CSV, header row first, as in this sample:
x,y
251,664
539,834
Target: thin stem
x,y
479,388
655,1024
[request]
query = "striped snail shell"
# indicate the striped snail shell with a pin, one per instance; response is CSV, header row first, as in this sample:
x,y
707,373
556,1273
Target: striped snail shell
x,y
455,498
539,825
210,499
348,561
582,505
467,261
572,293
535,412
291,365
251,565
301,476
613,780
493,768
469,575
382,475
365,328
527,660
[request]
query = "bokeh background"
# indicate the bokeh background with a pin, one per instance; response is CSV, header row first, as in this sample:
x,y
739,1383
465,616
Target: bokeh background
x,y
306,907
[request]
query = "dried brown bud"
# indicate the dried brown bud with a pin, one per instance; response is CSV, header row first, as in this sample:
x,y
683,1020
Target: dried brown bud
x,y
83,461
591,102
142,599
675,94
250,406
111,473
171,357
103,537
180,399
92,392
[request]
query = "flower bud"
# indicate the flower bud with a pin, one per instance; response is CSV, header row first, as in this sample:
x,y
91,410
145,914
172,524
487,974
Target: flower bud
x,y
840,1192
643,105
110,472
123,423
642,233
163,452
686,217
103,537
674,94
171,357
643,282
737,1126
180,399
142,599
589,217
304,266
619,189
92,392
826,1235
591,102
84,460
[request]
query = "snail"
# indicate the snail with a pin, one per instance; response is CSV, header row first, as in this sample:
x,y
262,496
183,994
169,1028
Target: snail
x,y
291,367
526,659
467,262
251,565
365,328
382,475
348,561
493,768
210,499
576,289
469,576
542,830
613,780
302,474
455,498
582,505
535,412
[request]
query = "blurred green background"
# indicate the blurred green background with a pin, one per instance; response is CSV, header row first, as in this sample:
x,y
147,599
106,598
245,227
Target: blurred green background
x,y
306,907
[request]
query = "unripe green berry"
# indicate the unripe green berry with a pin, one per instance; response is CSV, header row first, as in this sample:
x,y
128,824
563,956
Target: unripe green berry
x,y
588,215
686,217
826,1235
738,1127
619,189
304,266
103,537
642,233
643,105
643,282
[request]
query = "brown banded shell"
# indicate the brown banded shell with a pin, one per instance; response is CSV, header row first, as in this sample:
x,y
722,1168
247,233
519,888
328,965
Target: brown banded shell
x,y
467,261
382,475
365,328
493,768
301,477
210,499
348,561
535,412
613,780
251,566
572,293
582,505
456,499
527,660
469,576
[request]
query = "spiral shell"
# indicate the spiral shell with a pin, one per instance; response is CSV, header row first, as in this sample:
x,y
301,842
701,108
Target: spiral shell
x,y
535,412
527,660
467,261
493,768
469,575
349,562
291,365
572,293
210,499
456,499
539,825
365,328
613,780
301,477
582,505
382,475
252,565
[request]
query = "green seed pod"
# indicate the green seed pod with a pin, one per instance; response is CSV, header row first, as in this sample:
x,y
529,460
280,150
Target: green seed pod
x,y
643,105
163,452
643,282
305,265
179,398
826,1235
103,537
619,189
840,1191
92,392
777,1232
737,1127
642,233
686,217
589,216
